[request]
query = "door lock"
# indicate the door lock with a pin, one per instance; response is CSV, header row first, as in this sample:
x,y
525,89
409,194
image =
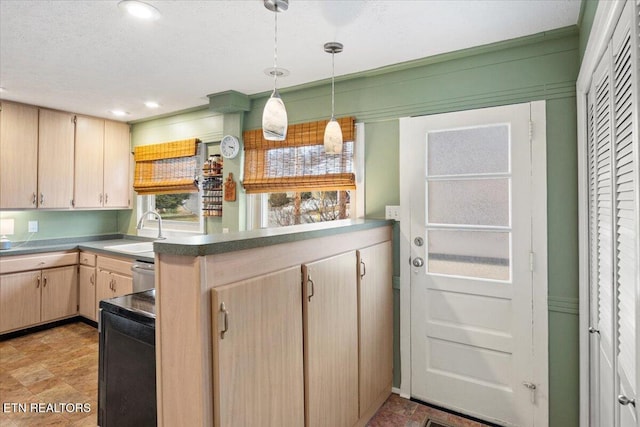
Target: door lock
x,y
418,241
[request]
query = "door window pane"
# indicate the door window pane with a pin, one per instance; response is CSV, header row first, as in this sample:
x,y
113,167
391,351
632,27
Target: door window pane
x,y
469,202
479,254
468,151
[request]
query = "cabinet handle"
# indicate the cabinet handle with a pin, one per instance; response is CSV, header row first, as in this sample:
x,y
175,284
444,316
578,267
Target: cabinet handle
x,y
106,198
100,197
313,291
364,269
41,199
92,279
225,320
44,281
37,282
34,199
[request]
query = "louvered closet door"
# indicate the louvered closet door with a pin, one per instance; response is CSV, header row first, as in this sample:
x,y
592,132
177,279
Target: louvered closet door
x,y
614,226
601,240
625,153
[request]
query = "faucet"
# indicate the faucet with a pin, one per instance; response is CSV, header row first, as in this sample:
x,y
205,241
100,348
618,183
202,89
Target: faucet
x,y
141,222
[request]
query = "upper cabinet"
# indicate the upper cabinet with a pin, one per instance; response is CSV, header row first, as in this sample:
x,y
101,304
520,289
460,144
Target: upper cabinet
x,y
117,158
102,163
89,162
57,160
18,156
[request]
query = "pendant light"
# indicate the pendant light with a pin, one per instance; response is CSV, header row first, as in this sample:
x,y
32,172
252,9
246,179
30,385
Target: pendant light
x,y
333,132
274,116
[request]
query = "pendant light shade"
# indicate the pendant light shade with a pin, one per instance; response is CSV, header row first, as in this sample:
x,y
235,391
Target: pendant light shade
x,y
274,115
274,119
333,137
333,132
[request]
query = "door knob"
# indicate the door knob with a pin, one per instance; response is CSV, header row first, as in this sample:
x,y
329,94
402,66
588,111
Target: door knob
x,y
624,400
418,262
593,330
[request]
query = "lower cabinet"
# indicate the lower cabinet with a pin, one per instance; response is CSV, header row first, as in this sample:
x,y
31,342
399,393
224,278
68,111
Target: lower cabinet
x,y
310,346
39,296
257,361
111,285
330,313
87,289
375,314
113,279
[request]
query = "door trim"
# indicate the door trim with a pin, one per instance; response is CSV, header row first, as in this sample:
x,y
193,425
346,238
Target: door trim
x,y
539,245
604,23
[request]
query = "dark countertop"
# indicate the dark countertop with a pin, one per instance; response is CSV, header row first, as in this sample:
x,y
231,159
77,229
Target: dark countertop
x,y
229,242
197,245
95,244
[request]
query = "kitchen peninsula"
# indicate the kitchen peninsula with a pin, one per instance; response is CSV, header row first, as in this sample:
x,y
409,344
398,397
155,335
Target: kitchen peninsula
x,y
288,326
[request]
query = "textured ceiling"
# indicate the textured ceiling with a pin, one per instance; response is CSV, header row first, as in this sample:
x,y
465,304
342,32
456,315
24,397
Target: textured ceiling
x,y
88,57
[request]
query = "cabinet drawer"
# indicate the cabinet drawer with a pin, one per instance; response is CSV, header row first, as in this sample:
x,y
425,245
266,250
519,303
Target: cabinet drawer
x,y
116,265
87,258
37,261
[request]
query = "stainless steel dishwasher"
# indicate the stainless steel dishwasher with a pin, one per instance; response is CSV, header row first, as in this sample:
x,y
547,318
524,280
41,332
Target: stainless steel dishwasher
x,y
144,275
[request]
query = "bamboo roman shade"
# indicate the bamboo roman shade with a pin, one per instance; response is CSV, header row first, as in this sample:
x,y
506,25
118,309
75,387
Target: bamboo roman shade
x,y
171,167
299,163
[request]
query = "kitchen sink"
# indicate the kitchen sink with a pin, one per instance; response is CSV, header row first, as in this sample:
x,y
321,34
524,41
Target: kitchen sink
x,y
132,248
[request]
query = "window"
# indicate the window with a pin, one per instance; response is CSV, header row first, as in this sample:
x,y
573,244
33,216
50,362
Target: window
x,y
297,183
166,180
180,213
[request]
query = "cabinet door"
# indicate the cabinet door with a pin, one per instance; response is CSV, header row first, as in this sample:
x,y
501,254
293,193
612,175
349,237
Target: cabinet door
x,y
18,155
258,371
117,158
375,311
330,307
59,293
19,300
87,290
89,161
55,153
122,285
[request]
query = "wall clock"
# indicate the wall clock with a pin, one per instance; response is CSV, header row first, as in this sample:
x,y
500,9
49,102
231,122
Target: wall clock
x,y
229,146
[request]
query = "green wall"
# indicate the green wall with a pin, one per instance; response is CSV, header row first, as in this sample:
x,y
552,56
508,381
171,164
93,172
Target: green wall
x,y
62,224
543,66
585,22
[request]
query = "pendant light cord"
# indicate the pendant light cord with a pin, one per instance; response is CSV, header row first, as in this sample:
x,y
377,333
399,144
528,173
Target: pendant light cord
x,y
275,52
333,73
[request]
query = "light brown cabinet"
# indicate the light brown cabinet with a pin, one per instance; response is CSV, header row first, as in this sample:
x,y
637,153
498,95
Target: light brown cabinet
x,y
117,158
102,156
113,279
87,286
18,156
330,313
55,159
89,162
33,297
19,300
375,314
257,363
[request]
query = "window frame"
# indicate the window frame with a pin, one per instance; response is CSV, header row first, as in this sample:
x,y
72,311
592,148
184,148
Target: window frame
x,y
257,207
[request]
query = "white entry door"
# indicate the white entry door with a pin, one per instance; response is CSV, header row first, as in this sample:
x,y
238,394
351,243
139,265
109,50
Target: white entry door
x,y
472,263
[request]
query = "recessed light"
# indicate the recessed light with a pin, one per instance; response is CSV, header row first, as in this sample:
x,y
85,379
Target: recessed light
x,y
119,113
139,9
151,104
281,72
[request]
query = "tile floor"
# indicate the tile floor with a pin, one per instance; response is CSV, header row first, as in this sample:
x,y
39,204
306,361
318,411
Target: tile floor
x,y
400,412
60,366
57,366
